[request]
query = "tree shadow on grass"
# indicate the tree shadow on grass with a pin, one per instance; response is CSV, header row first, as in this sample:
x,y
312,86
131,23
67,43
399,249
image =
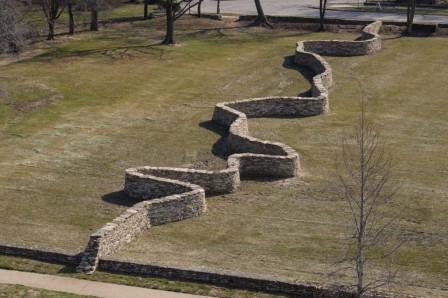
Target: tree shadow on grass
x,y
119,198
113,53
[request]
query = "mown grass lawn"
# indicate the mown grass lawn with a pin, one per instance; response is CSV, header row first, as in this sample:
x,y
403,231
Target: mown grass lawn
x,y
92,105
26,292
23,264
117,9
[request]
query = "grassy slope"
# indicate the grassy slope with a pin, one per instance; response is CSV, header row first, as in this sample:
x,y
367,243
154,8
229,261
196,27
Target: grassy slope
x,y
110,88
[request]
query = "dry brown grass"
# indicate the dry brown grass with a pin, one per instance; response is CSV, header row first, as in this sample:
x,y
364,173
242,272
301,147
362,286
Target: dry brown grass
x,y
127,102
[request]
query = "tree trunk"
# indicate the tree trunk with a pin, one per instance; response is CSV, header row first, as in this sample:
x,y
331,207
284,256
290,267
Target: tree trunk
x,y
13,47
410,16
218,8
145,13
169,37
94,17
71,21
261,18
360,264
199,8
52,13
50,30
322,9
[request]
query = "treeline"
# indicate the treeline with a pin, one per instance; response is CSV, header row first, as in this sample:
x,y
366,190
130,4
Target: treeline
x,y
16,28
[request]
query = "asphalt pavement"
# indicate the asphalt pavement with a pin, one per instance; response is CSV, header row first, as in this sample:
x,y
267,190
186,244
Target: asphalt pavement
x,y
304,8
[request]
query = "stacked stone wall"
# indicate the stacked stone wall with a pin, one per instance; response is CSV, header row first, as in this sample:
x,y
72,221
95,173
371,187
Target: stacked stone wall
x,y
163,201
369,43
238,280
172,194
41,254
222,278
176,207
213,182
141,186
225,279
259,165
114,235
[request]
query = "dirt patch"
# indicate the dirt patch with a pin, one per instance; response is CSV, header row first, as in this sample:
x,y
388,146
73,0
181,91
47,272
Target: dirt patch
x,y
35,105
207,164
27,95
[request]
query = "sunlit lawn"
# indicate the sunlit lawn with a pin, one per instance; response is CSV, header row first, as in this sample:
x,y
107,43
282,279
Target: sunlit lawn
x,y
74,118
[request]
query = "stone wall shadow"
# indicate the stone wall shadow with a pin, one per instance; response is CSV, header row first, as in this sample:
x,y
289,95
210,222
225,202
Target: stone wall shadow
x,y
119,198
67,269
219,148
288,63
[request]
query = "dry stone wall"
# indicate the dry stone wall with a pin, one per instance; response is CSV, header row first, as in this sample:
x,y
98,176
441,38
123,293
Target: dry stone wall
x,y
173,194
41,254
223,278
369,43
213,182
227,279
189,201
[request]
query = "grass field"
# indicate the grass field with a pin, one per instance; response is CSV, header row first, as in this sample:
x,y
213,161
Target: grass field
x,y
28,292
92,105
118,9
23,264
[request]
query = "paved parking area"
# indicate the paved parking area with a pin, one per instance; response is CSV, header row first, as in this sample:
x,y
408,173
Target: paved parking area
x,y
304,8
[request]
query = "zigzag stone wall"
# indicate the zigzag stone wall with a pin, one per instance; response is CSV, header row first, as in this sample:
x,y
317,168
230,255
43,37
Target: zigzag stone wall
x,y
369,43
173,194
179,201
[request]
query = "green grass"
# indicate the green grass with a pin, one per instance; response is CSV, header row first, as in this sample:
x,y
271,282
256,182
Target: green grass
x,y
123,100
26,292
23,264
118,10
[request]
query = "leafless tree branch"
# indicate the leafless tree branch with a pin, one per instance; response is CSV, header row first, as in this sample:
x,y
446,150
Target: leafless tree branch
x,y
364,173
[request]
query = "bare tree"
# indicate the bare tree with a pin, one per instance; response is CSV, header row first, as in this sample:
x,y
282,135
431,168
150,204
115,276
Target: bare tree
x,y
322,9
218,6
52,10
13,28
199,8
146,10
261,20
364,174
410,16
174,10
71,19
94,6
94,15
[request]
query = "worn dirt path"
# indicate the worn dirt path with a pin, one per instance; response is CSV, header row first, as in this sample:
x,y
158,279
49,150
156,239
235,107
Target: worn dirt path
x,y
83,287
